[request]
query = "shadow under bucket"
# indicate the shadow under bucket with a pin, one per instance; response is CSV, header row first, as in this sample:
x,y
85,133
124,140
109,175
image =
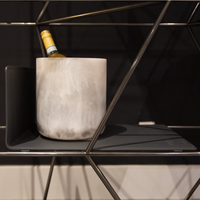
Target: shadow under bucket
x,y
70,96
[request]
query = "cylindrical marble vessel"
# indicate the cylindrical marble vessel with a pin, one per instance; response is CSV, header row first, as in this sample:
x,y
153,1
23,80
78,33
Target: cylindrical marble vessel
x,y
70,96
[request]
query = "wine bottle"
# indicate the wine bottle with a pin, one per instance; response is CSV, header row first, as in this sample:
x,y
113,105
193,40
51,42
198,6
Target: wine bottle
x,y
50,45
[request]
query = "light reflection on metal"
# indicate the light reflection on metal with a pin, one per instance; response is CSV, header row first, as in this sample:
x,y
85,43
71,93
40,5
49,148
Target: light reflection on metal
x,y
17,24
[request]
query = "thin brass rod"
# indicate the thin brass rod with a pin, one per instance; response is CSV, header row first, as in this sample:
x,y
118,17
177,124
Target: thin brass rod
x,y
42,11
126,78
99,12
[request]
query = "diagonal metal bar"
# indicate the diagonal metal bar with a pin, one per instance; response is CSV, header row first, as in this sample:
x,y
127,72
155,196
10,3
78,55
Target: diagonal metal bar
x,y
49,178
190,29
37,28
127,77
99,12
192,190
40,41
103,178
42,11
193,12
194,38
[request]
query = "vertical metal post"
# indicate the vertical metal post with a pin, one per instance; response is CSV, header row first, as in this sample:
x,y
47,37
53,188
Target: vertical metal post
x,y
49,178
192,190
127,77
103,178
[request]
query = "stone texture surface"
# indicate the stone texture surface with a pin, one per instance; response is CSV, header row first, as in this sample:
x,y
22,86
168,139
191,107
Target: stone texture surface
x,y
70,96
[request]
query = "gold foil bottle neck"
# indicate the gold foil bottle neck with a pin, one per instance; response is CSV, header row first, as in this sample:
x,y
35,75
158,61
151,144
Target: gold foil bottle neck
x,y
49,44
45,34
47,39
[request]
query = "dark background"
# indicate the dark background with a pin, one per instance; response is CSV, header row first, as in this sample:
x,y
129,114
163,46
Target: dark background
x,y
165,87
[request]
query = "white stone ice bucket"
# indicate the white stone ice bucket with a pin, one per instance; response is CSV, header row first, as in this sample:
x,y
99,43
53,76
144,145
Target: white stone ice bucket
x,y
70,96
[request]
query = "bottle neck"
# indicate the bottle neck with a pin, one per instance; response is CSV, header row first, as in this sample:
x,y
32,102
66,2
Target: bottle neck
x,y
48,42
51,49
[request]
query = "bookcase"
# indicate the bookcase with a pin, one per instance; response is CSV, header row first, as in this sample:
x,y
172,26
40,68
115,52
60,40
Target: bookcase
x,y
109,145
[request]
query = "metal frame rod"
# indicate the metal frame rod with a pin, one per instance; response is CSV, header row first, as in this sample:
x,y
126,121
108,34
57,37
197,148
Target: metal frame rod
x,y
17,23
194,38
189,28
194,24
173,126
193,12
103,178
97,24
49,178
185,127
97,153
99,12
192,190
40,41
117,24
42,11
37,28
127,77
